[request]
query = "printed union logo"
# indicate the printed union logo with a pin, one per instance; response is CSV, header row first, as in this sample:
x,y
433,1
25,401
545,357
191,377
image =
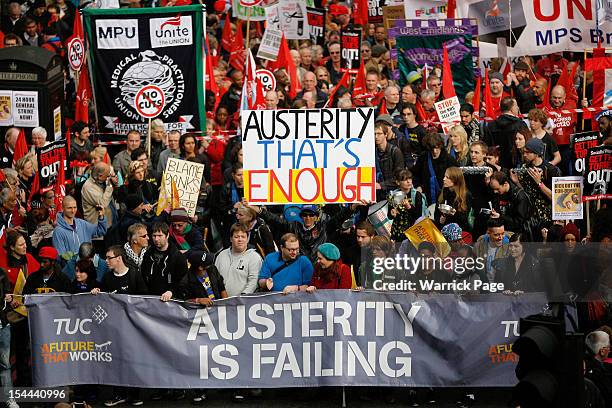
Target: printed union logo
x,y
113,34
171,32
147,68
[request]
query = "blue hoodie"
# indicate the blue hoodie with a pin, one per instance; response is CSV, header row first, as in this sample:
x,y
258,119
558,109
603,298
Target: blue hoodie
x,y
68,239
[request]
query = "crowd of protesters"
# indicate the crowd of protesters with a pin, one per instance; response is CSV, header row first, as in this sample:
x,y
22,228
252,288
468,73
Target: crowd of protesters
x,y
107,235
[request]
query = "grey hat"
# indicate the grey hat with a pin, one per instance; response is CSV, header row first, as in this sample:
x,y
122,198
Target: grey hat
x,y
385,118
535,145
496,75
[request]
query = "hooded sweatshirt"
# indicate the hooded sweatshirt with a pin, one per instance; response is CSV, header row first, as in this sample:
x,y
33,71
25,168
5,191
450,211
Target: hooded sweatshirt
x,y
240,271
68,238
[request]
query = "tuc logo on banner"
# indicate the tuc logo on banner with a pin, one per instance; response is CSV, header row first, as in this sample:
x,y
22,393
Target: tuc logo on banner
x,y
76,342
113,34
309,156
171,32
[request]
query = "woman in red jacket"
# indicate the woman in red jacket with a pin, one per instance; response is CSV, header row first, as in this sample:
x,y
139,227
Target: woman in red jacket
x,y
329,271
14,257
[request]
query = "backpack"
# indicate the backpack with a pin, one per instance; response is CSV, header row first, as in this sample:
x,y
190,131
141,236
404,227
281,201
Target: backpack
x,y
424,209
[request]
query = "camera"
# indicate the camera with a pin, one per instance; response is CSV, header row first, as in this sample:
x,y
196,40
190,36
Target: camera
x,y
485,211
475,169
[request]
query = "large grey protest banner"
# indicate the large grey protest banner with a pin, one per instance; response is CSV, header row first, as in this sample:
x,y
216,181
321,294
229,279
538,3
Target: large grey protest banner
x,y
331,338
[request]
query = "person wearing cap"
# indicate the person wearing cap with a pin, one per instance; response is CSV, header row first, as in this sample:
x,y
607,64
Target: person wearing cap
x,y
313,230
239,265
134,214
536,179
183,233
163,265
502,130
496,85
329,271
511,203
286,270
70,231
340,14
49,278
520,84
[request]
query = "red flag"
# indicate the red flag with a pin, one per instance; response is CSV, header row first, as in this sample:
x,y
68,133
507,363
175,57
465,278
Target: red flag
x,y
227,37
1,39
343,82
33,189
448,88
566,80
21,147
383,108
83,96
599,60
489,110
361,12
450,8
260,99
359,87
546,102
420,112
476,100
289,64
210,82
77,28
237,57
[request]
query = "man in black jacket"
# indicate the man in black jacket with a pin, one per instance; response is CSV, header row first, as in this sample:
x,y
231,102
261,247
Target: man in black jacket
x,y
389,160
163,265
49,277
513,203
502,130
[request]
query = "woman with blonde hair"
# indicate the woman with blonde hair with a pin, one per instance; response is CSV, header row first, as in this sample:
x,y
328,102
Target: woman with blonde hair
x,y
458,146
26,168
455,201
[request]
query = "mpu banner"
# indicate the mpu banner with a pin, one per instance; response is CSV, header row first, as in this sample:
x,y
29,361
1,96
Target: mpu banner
x,y
132,48
330,338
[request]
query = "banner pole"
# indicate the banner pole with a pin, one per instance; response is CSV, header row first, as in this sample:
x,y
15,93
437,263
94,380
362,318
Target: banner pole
x,y
149,141
248,33
588,216
583,87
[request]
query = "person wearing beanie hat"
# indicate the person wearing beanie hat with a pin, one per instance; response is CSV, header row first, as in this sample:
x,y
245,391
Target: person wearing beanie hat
x,y
535,178
570,236
329,251
329,271
496,86
48,278
133,203
182,232
452,232
520,84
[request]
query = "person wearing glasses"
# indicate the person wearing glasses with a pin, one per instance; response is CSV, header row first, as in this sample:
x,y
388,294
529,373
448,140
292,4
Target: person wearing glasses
x,y
334,63
412,133
136,245
314,228
286,270
434,83
125,281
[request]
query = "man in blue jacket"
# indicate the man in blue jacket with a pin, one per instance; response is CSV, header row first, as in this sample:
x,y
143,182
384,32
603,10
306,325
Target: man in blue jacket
x,y
71,232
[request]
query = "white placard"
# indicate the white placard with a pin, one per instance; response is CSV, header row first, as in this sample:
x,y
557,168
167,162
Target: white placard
x,y
293,20
567,198
188,177
6,108
448,113
25,108
309,156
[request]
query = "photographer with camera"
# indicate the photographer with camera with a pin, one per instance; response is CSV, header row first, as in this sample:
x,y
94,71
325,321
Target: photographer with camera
x,y
512,204
535,177
406,205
